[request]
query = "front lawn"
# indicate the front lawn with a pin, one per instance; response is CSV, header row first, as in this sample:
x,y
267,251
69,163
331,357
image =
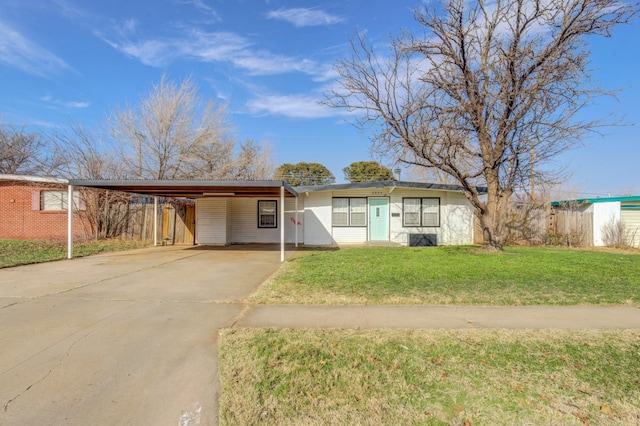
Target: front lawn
x,y
22,252
456,275
462,377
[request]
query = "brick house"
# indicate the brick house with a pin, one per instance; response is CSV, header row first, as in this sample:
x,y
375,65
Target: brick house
x,y
35,208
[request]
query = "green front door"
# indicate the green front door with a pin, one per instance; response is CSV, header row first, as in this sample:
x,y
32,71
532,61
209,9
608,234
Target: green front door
x,y
378,219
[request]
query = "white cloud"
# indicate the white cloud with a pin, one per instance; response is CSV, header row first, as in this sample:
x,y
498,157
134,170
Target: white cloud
x,y
303,17
218,47
294,106
67,104
205,47
19,52
201,6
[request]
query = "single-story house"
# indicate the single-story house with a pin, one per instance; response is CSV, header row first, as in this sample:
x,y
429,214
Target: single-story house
x,y
606,212
33,207
407,213
237,212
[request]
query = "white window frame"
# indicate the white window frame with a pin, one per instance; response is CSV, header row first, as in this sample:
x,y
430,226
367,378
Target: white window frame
x,y
352,210
57,200
266,214
427,209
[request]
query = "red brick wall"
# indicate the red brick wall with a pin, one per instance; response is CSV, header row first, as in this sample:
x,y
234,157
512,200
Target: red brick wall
x,y
19,220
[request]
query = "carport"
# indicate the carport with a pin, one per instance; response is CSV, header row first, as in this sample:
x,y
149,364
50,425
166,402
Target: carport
x,y
195,189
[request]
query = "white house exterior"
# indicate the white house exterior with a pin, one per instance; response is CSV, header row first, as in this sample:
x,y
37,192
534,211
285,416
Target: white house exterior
x,y
240,220
399,212
238,212
407,213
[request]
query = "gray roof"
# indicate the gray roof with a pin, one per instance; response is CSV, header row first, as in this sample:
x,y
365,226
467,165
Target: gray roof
x,y
384,184
191,188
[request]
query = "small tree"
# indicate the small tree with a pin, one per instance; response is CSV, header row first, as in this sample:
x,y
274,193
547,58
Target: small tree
x,y
367,171
23,152
304,174
488,93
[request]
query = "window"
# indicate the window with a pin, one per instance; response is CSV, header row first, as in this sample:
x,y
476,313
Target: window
x,y
267,214
421,212
57,200
349,212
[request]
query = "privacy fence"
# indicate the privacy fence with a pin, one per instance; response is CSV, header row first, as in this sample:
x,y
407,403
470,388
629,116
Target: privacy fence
x,y
118,215
538,223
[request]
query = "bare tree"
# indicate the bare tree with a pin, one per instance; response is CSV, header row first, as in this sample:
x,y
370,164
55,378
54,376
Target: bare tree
x,y
173,133
85,155
252,162
23,152
488,94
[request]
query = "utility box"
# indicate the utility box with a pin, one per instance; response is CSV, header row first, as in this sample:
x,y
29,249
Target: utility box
x,y
423,240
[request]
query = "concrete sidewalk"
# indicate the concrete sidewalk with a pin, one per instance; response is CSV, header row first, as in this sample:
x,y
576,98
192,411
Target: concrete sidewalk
x,y
438,317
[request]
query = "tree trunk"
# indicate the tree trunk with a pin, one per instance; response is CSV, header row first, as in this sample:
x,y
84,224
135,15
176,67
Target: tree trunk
x,y
493,216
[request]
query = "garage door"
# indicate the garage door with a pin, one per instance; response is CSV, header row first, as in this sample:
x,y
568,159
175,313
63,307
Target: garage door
x,y
630,218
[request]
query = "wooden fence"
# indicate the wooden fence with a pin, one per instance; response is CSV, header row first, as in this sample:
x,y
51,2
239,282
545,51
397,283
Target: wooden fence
x,y
132,220
538,223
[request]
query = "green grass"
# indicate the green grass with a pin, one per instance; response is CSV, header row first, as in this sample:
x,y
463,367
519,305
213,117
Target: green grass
x,y
372,377
22,252
457,275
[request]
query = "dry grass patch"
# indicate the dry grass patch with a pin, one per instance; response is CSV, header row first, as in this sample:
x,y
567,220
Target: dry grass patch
x,y
373,377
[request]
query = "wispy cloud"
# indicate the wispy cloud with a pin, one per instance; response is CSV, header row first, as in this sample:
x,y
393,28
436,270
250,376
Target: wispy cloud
x,y
201,46
201,6
19,52
217,47
67,104
304,17
294,106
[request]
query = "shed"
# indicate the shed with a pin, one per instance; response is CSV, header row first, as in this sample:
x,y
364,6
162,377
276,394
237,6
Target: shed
x,y
608,211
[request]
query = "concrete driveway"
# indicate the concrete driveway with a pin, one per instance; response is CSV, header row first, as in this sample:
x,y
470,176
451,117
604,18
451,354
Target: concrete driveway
x,y
126,338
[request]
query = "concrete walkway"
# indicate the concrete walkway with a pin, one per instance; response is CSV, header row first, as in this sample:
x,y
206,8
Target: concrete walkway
x,y
437,317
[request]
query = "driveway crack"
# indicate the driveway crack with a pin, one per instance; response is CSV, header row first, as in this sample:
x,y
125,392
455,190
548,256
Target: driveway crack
x,y
43,378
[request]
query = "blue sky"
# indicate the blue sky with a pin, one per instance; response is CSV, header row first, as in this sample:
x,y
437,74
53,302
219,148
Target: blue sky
x,y
270,60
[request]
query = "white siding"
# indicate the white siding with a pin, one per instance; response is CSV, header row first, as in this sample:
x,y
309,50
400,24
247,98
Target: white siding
x,y
604,214
346,235
317,218
631,221
456,217
211,221
244,222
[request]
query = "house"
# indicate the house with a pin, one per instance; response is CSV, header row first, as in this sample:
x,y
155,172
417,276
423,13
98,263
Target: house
x,y
596,216
33,207
407,213
238,212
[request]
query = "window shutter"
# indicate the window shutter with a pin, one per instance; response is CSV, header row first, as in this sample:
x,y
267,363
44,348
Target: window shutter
x,y
35,200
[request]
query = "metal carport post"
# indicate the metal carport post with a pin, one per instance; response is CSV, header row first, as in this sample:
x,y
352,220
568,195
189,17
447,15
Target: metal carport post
x,y
282,223
69,221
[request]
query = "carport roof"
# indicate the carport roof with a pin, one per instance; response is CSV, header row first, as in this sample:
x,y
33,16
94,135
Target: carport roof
x,y
192,188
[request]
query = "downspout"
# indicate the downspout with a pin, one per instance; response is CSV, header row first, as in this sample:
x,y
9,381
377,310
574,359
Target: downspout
x,y
70,222
282,223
